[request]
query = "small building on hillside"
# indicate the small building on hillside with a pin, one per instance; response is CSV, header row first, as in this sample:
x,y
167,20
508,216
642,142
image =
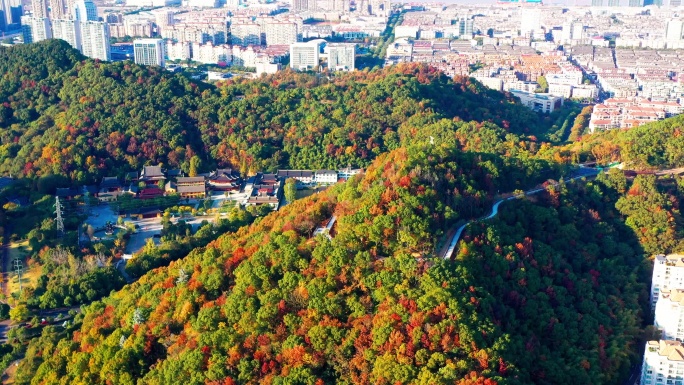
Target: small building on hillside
x,y
545,103
303,176
348,172
66,193
325,176
271,179
191,187
147,213
110,189
131,176
152,175
270,200
225,179
174,173
151,193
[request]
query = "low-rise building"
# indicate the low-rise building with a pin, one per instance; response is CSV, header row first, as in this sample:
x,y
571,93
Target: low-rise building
x,y
110,189
150,193
325,176
270,200
224,180
152,175
191,187
348,172
303,176
545,103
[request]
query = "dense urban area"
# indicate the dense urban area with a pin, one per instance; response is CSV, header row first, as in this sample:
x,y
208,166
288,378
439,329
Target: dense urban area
x,y
341,191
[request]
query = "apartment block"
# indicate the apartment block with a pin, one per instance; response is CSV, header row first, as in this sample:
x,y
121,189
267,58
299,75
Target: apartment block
x,y
178,50
663,363
67,30
35,29
95,40
149,51
280,32
245,34
341,56
305,56
668,273
669,314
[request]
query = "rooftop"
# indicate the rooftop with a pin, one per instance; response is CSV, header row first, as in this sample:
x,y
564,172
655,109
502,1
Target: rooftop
x,y
191,189
673,350
151,172
191,179
672,259
674,295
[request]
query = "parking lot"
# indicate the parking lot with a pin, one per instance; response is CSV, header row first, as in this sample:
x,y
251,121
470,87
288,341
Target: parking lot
x,y
148,228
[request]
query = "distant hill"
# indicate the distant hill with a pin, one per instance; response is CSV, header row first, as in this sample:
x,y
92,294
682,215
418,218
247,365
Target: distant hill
x,y
85,119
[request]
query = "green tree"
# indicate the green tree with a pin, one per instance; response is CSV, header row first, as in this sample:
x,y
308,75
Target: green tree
x,y
4,311
19,313
195,165
543,85
290,190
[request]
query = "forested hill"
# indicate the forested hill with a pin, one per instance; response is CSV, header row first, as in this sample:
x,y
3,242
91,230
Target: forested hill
x,y
271,304
652,146
65,115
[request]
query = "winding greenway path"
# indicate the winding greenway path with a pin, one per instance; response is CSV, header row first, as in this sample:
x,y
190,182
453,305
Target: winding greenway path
x,y
583,172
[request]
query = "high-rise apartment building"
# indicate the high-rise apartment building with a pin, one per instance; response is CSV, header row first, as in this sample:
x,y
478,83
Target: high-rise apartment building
x,y
530,20
668,273
84,10
341,56
12,11
114,18
663,363
5,14
58,9
137,27
373,7
572,31
35,29
466,27
164,19
341,6
95,40
280,32
245,34
39,9
674,30
149,51
178,50
67,30
305,56
669,314
303,5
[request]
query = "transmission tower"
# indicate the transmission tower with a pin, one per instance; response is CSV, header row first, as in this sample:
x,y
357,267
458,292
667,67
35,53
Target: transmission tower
x,y
58,219
18,268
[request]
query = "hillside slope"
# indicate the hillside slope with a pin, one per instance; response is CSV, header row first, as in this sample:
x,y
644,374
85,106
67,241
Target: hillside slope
x,y
270,304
